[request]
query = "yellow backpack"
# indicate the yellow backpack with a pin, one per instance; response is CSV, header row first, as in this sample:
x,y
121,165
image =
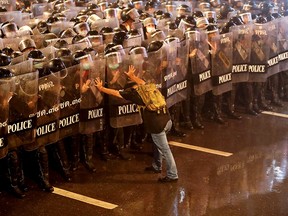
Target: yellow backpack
x,y
152,97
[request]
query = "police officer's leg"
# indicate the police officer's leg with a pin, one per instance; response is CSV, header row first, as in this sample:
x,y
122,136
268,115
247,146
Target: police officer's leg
x,y
43,166
186,105
217,105
196,111
88,145
248,94
256,93
262,98
275,100
62,157
13,170
75,150
175,115
230,96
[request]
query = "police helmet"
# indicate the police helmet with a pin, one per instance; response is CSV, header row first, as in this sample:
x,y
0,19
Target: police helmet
x,y
154,46
265,7
119,37
260,20
149,20
67,33
42,27
7,51
61,43
4,60
55,65
36,55
5,73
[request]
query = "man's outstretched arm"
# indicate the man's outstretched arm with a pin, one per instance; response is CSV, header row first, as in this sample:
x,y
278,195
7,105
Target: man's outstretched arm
x,y
101,88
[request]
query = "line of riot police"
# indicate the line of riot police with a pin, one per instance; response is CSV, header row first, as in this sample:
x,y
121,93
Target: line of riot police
x,y
197,53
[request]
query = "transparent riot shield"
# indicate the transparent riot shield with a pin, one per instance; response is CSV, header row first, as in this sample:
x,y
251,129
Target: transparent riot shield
x,y
199,62
259,54
22,67
283,44
9,5
175,80
22,109
69,102
272,42
6,92
92,101
155,67
97,42
59,26
122,113
132,41
241,52
38,9
13,42
48,109
222,64
100,23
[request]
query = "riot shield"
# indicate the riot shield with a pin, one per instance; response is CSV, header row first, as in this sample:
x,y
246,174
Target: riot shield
x,y
199,62
283,44
259,54
241,52
69,102
132,41
48,109
272,42
13,42
22,110
122,113
92,100
155,67
38,9
22,67
100,23
6,92
9,5
175,80
97,42
221,59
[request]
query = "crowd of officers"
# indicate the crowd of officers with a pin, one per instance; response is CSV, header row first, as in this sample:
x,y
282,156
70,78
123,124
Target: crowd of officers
x,y
49,37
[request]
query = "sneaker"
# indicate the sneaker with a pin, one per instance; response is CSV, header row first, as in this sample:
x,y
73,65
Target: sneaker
x,y
167,179
152,169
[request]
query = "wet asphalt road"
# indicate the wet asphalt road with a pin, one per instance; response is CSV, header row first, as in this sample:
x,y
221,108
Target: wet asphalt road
x,y
253,181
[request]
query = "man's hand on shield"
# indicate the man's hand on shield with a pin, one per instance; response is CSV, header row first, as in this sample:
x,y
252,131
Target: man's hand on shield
x,y
99,83
131,71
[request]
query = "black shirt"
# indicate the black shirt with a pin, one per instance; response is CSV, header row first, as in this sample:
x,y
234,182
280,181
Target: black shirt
x,y
154,122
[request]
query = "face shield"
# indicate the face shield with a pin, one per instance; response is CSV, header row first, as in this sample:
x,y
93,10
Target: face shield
x,y
95,40
133,14
86,62
10,30
210,14
158,35
138,5
82,28
202,22
113,60
246,17
110,13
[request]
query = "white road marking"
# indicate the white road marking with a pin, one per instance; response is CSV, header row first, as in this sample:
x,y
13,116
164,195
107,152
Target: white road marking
x,y
275,114
84,199
202,149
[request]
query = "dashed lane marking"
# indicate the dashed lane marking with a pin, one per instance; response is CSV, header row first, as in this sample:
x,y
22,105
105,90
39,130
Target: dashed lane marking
x,y
83,198
275,114
202,149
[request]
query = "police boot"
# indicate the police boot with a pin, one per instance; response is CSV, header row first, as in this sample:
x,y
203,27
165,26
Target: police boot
x,y
42,159
262,100
13,168
217,109
75,152
61,155
248,94
186,123
231,106
175,122
275,101
88,144
256,93
196,113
